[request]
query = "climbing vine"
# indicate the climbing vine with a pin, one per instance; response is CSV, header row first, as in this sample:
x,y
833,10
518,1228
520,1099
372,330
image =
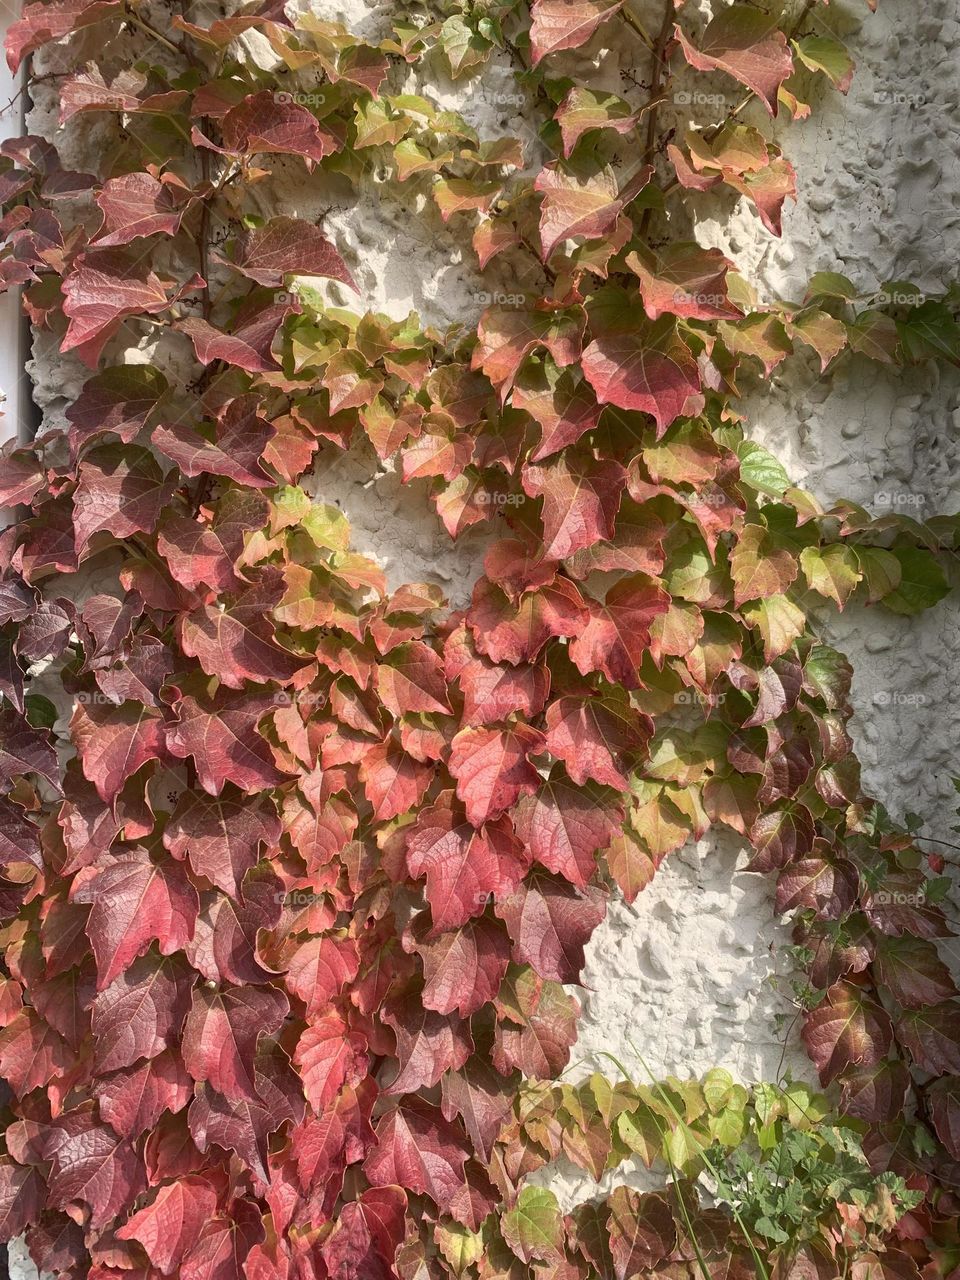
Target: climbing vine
x,y
291,906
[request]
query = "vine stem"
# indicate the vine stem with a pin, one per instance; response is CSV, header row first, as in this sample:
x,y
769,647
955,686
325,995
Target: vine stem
x,y
656,87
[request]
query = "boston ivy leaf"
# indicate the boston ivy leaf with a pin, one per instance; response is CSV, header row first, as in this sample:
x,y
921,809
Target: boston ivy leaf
x,y
633,364
134,902
464,866
931,1035
24,750
329,1055
564,827
533,1228
912,971
92,1164
593,736
286,247
411,679
536,1027
41,23
493,769
618,631
846,1029
235,451
581,496
560,24
22,1197
583,110
103,288
642,1230
141,1012
462,967
225,1243
264,124
319,969
582,199
121,490
428,1043
221,1032
420,1151
133,1100
235,641
220,733
550,921
746,44
515,631
682,279
31,1052
113,742
392,779
507,335
221,837
943,1101
169,1224
137,204
875,1094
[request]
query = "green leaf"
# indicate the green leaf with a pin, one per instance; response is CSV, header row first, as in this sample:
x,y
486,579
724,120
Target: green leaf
x,y
761,470
534,1226
829,56
922,582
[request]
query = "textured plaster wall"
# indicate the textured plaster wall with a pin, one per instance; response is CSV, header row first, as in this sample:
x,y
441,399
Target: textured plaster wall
x,y
688,976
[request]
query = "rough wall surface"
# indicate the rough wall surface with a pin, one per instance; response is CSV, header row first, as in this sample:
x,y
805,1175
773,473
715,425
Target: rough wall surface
x,y
687,978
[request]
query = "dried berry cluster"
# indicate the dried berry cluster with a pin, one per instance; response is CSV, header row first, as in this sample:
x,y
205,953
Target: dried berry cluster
x,y
287,935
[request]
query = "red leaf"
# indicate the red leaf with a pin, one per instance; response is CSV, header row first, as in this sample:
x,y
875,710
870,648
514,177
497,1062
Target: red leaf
x,y
462,968
550,921
220,733
420,1151
492,691
745,43
235,641
846,1029
92,1164
514,632
493,770
393,780
683,279
537,1025
428,1043
134,902
464,867
412,679
136,204
225,1243
114,742
319,969
31,1052
103,288
618,632
633,364
931,1036
169,1225
593,735
121,490
328,1056
140,1014
221,1032
506,335
221,838
581,496
263,124
241,438
248,346
565,409
24,750
286,247
22,1197
582,199
943,1101
134,1099
482,1098
41,23
563,827
341,1135
205,554
566,24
